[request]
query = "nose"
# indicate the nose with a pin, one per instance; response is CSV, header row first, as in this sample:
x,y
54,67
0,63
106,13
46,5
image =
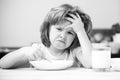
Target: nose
x,y
63,35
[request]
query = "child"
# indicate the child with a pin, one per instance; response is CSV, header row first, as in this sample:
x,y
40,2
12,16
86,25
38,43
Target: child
x,y
64,36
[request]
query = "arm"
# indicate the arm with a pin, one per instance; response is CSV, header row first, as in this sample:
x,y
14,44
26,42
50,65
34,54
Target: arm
x,y
78,27
18,58
86,47
13,59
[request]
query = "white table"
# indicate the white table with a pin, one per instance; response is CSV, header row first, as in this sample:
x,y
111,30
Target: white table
x,y
71,74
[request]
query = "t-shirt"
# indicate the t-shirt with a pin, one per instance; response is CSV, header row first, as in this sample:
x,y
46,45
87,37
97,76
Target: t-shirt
x,y
40,52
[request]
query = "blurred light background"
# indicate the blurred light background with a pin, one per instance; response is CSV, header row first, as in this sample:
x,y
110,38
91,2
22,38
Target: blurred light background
x,y
20,20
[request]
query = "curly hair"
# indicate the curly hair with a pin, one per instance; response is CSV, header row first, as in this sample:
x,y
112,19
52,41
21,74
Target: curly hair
x,y
56,16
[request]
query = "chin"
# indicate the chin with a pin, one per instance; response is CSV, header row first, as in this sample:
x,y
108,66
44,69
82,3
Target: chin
x,y
60,47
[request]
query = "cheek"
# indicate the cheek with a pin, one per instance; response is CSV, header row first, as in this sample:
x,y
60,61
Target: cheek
x,y
53,34
70,39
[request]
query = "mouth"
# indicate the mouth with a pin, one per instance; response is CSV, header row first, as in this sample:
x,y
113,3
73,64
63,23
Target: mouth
x,y
61,41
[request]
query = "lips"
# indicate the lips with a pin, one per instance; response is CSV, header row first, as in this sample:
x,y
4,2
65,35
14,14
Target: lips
x,y
61,41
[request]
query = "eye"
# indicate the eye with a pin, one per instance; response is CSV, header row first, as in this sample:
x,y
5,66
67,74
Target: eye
x,y
70,33
59,29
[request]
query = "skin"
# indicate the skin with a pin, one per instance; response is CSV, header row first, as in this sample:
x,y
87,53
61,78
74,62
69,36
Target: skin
x,y
86,46
61,37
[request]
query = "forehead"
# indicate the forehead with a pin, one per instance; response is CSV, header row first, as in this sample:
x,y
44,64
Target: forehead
x,y
64,24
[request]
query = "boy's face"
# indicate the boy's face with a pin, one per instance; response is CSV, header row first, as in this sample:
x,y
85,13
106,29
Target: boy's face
x,y
61,36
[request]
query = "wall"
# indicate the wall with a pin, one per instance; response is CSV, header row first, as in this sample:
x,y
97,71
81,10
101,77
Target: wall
x,y
20,19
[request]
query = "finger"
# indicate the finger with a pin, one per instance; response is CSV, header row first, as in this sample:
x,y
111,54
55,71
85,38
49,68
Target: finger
x,y
37,56
77,15
69,19
73,15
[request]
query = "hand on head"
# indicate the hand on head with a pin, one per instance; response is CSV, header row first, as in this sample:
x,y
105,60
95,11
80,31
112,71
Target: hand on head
x,y
76,22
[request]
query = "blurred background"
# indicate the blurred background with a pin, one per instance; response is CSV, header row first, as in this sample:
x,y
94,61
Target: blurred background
x,y
20,20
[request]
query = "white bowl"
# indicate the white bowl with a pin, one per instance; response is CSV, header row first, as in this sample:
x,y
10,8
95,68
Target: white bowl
x,y
52,65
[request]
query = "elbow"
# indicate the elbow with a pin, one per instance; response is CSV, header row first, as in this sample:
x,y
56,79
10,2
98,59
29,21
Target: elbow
x,y
88,66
